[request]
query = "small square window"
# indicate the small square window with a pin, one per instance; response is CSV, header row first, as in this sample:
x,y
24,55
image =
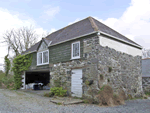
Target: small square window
x,y
76,50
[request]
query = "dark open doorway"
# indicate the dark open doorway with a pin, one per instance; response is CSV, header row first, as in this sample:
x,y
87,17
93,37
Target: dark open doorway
x,y
37,77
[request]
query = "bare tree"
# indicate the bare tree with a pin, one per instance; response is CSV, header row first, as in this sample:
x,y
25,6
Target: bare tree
x,y
146,53
20,39
45,34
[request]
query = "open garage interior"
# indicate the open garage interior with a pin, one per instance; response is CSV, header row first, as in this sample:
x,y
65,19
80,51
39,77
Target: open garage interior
x,y
37,80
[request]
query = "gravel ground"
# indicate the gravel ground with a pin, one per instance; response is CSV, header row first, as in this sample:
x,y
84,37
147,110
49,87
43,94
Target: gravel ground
x,y
21,102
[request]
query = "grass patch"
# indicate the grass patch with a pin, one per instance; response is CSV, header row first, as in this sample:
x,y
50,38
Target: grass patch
x,y
48,94
59,103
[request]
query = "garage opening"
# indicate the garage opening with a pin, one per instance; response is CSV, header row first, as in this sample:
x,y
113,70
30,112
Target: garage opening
x,y
37,80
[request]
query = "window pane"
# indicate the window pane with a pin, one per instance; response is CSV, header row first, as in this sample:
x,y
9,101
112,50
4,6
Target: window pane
x,y
45,57
75,49
39,58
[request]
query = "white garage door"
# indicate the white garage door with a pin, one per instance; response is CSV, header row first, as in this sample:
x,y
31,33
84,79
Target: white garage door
x,y
76,82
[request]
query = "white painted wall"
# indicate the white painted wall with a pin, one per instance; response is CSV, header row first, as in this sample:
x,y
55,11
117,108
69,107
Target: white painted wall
x,y
23,80
104,41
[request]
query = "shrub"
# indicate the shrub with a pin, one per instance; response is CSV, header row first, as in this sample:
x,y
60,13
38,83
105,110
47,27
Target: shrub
x,y
58,91
7,82
107,97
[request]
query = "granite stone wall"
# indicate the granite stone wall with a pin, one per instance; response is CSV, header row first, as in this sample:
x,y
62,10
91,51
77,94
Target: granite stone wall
x,y
146,84
100,66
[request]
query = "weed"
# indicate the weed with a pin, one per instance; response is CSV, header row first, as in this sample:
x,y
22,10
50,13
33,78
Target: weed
x,y
101,76
147,93
59,103
86,101
87,82
109,69
108,80
48,94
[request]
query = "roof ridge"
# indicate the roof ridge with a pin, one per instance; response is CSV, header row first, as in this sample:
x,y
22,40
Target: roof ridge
x,y
93,24
67,26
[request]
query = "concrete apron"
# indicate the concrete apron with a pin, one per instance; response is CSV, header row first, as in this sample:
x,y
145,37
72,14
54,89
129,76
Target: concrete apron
x,y
38,92
56,100
65,100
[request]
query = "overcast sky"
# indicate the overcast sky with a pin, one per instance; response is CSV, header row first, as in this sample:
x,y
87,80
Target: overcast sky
x,y
129,17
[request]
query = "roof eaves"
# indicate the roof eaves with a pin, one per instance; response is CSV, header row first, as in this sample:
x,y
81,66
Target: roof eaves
x,y
49,43
29,52
74,38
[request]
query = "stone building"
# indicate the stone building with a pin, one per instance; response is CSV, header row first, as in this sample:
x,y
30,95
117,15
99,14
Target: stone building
x,y
84,56
146,74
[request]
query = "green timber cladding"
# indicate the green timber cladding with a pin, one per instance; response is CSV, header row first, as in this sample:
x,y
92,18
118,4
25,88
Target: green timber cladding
x,y
62,52
59,53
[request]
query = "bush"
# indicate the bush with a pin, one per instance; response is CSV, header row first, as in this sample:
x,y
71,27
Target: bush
x,y
58,91
7,82
108,98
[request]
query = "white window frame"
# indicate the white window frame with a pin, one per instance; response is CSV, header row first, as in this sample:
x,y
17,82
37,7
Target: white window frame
x,y
42,57
77,57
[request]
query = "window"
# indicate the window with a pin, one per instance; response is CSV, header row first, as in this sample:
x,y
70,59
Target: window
x,y
43,57
75,50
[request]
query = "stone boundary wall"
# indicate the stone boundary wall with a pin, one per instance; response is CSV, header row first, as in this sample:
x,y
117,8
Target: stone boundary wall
x,y
146,84
101,65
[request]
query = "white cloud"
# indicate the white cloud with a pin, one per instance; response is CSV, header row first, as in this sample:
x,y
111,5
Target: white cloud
x,y
134,23
49,12
52,30
9,21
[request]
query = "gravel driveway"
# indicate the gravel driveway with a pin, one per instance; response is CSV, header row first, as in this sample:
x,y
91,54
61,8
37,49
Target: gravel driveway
x,y
20,102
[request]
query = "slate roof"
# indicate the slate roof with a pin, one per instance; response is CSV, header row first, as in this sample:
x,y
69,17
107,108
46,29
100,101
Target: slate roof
x,y
82,27
32,48
146,67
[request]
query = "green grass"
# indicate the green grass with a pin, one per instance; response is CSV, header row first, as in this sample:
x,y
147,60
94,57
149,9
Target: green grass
x,y
1,75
